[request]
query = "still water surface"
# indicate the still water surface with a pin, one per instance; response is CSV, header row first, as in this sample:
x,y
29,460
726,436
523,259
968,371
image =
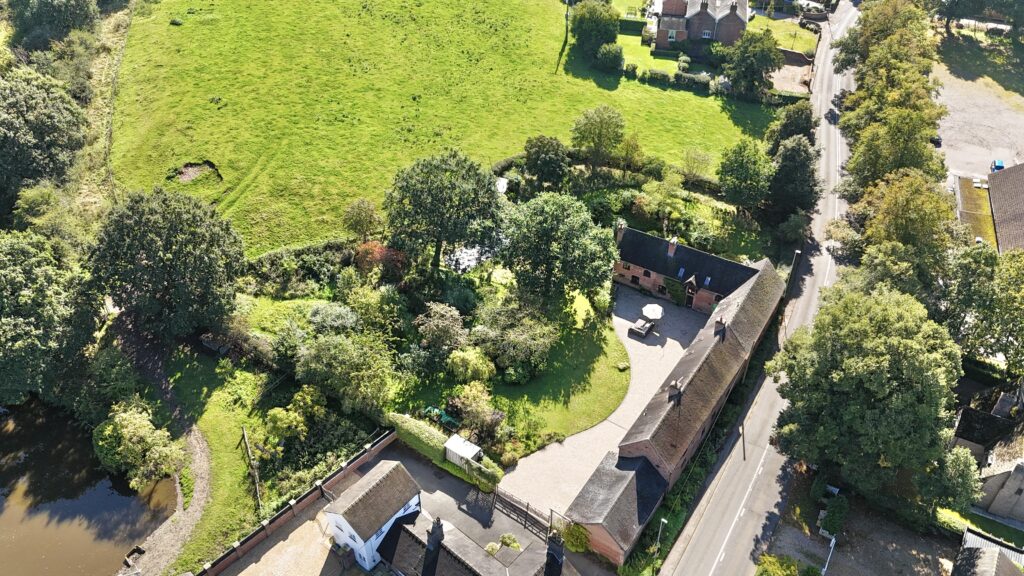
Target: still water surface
x,y
60,513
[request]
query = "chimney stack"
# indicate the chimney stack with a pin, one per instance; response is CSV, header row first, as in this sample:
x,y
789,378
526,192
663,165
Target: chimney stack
x,y
433,552
672,246
720,326
620,227
733,8
556,555
435,535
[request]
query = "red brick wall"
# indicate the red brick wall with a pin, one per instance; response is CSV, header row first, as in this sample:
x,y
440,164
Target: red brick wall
x,y
699,22
730,28
651,283
674,7
603,543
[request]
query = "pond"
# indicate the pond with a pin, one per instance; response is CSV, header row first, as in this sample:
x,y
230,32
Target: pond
x,y
60,513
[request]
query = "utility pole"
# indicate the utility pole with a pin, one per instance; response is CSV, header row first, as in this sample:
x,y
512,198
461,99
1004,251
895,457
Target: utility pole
x,y
660,526
831,547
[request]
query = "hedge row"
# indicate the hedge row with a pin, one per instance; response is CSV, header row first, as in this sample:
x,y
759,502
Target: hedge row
x,y
632,26
429,441
784,98
680,80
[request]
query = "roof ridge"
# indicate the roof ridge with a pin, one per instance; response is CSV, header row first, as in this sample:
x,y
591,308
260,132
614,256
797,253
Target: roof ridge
x,y
374,484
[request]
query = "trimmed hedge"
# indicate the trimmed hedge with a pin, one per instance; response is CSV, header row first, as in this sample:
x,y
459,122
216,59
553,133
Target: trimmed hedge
x,y
632,26
674,54
429,441
784,98
506,164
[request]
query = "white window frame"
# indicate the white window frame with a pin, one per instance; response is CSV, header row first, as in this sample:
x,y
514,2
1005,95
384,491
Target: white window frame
x,y
706,34
671,35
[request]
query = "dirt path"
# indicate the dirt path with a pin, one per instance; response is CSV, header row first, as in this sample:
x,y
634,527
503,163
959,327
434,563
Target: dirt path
x,y
164,544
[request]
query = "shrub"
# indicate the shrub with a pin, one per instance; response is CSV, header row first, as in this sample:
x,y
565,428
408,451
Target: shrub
x,y
646,37
505,164
658,77
547,159
609,58
577,538
594,24
819,487
509,541
492,548
683,63
297,272
128,442
629,70
835,514
470,364
770,565
69,61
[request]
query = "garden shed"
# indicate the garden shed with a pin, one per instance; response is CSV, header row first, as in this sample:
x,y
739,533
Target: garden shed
x,y
458,450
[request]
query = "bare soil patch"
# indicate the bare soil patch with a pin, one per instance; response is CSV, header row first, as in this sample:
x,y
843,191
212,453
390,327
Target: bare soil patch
x,y
192,170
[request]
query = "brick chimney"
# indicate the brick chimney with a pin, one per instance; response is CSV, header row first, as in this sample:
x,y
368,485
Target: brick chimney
x,y
556,555
620,228
704,5
433,552
672,246
733,8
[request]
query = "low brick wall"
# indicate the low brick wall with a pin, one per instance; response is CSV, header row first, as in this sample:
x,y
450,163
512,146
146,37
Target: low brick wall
x,y
794,58
295,507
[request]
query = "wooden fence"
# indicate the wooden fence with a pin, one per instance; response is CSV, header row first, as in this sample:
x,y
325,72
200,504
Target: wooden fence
x,y
322,489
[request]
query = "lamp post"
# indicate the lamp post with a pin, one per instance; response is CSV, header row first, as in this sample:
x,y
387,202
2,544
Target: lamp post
x,y
831,547
660,526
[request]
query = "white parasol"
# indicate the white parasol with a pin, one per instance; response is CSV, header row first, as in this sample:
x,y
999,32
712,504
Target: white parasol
x,y
653,311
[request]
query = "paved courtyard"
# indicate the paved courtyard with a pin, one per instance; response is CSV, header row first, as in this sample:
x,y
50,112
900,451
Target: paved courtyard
x,y
550,478
302,548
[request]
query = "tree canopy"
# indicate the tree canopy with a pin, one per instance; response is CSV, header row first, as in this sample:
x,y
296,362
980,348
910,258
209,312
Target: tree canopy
x,y
1009,309
128,442
169,262
36,22
598,132
445,201
553,246
750,62
746,174
362,219
36,285
41,129
594,24
869,388
547,161
898,141
794,120
794,185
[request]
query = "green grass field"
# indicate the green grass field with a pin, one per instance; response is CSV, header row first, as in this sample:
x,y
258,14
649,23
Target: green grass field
x,y
972,55
636,53
304,106
789,34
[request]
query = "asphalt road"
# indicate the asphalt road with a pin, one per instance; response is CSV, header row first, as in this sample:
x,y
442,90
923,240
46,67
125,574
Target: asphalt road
x,y
733,521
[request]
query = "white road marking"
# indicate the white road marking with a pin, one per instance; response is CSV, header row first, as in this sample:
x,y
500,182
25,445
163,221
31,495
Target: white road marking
x,y
743,505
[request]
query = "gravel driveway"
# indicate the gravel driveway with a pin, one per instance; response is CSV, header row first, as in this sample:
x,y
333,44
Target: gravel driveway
x,y
550,478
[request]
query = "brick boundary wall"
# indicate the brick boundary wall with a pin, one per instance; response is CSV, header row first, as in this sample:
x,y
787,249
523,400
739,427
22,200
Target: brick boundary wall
x,y
321,490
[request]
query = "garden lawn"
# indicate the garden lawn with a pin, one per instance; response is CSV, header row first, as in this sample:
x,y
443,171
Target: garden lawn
x,y
582,383
789,34
216,400
973,56
982,524
635,52
305,106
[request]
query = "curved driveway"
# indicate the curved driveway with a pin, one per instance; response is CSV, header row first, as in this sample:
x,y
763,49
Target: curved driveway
x,y
550,478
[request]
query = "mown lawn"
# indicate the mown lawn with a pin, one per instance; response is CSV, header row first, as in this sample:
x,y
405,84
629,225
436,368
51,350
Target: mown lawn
x,y
303,106
973,55
789,34
582,384
636,53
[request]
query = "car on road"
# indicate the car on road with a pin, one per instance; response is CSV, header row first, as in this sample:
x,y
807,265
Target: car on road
x,y
641,327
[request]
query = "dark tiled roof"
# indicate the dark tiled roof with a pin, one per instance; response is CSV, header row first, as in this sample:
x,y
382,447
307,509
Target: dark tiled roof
x,y
405,549
375,498
983,562
718,8
981,427
620,495
977,540
673,419
1006,194
651,252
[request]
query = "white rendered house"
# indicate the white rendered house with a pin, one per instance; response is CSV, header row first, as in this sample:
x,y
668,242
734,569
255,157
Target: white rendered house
x,y
362,515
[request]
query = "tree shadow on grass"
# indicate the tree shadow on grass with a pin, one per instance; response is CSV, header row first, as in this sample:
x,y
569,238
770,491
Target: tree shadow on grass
x,y
751,118
577,64
1000,59
569,370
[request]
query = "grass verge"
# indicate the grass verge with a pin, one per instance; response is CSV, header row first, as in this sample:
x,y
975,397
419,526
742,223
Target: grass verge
x,y
789,34
957,522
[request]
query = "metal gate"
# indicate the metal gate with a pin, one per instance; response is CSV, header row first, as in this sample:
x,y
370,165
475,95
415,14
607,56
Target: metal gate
x,y
520,511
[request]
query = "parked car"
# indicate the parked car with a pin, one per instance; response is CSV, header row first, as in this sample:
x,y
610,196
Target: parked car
x,y
997,165
641,327
936,141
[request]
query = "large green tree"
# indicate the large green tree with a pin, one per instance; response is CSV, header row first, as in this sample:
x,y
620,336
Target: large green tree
x,y
41,129
553,246
750,63
899,141
598,132
880,20
594,24
869,390
36,299
967,296
745,174
128,442
795,185
547,161
793,120
1009,310
169,262
445,201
